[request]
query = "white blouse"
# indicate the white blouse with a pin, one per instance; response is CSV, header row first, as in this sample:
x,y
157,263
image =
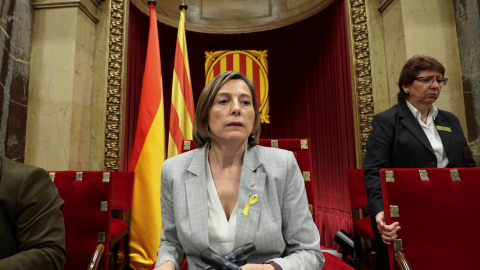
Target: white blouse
x,y
432,133
221,232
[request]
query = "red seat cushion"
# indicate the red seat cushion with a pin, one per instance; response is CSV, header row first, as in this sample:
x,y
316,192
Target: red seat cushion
x,y
364,226
116,226
333,262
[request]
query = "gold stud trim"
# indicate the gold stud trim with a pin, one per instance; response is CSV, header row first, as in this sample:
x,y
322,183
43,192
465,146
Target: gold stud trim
x,y
101,237
361,73
274,143
398,245
78,177
115,82
424,175
303,144
455,175
52,176
103,206
187,145
389,176
394,211
306,176
106,177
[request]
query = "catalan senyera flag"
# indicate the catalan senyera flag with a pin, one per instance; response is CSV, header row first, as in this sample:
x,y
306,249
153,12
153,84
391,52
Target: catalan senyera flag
x,y
251,63
181,109
147,158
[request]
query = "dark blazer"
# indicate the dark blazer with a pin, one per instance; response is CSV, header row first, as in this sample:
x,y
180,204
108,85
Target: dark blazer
x,y
398,141
32,231
278,223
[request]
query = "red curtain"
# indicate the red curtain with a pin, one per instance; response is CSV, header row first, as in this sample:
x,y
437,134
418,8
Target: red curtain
x,y
310,94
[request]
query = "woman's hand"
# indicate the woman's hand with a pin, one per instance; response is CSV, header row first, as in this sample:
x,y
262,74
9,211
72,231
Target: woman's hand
x,y
251,266
388,232
168,265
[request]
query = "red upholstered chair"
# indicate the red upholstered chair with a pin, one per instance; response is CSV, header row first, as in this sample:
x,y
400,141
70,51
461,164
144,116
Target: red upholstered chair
x,y
333,262
87,213
122,197
438,214
364,240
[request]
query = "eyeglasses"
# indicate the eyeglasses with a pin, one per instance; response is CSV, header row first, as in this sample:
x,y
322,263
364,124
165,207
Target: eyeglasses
x,y
430,80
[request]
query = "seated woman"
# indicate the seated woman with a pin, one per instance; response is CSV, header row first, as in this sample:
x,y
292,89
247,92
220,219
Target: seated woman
x,y
411,134
230,191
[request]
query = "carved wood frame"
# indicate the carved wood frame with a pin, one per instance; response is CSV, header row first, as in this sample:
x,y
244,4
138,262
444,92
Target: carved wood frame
x,y
117,50
361,80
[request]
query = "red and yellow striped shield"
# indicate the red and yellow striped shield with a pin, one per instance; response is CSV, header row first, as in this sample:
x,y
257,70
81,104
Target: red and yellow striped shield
x,y
252,64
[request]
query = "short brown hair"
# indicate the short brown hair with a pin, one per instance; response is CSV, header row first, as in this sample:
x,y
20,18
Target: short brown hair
x,y
201,132
412,68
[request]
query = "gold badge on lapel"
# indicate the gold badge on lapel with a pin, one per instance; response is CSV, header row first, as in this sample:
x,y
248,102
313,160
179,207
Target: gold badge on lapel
x,y
253,200
442,128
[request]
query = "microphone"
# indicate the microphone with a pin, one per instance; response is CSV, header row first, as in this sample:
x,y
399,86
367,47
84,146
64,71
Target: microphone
x,y
218,262
241,253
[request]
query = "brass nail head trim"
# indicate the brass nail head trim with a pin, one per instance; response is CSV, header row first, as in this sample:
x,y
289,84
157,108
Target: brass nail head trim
x,y
78,177
101,237
106,177
398,245
424,175
389,176
303,144
306,176
274,143
103,206
394,211
52,176
187,145
455,175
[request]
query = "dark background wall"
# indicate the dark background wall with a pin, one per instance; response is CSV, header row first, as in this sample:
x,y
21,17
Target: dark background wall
x,y
16,19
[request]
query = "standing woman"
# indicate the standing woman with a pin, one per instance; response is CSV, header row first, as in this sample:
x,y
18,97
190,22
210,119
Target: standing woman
x,y
411,134
230,192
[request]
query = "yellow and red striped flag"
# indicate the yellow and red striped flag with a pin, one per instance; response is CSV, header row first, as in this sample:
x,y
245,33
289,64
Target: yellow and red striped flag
x,y
147,158
181,109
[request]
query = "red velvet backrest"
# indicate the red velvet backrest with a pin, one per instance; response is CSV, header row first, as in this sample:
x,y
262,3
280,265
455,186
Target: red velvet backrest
x,y
122,194
356,187
439,218
301,150
85,221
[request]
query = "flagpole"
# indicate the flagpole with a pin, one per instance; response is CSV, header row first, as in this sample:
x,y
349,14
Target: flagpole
x,y
183,6
152,2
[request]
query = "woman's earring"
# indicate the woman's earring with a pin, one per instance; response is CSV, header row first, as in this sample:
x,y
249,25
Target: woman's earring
x,y
251,137
406,91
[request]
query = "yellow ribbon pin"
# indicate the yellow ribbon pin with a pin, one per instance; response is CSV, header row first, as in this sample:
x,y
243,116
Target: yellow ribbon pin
x,y
252,200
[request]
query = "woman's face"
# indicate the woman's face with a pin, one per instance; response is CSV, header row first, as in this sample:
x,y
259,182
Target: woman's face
x,y
424,89
232,114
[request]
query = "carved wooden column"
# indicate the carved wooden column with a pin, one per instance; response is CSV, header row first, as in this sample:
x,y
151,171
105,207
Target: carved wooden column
x,y
361,74
61,78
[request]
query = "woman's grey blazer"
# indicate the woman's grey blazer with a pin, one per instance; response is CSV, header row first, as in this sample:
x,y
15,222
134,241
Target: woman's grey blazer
x,y
279,224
